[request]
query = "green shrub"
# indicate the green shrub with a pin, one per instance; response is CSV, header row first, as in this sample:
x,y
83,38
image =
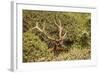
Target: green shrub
x,y
34,49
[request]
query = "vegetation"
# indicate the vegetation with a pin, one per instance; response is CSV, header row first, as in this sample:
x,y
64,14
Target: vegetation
x,y
56,36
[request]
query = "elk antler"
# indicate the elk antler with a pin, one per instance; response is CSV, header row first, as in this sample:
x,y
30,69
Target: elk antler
x,y
42,30
60,28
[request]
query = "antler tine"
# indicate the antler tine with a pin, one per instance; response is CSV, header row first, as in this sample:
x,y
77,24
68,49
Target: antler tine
x,y
37,27
43,26
56,23
63,36
37,24
59,21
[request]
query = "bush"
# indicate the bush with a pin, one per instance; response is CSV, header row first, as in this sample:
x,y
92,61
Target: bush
x,y
34,49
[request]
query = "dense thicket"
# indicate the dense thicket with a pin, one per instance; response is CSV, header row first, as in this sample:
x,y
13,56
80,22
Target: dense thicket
x,y
36,45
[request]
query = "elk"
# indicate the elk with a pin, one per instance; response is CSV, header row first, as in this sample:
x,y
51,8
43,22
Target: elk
x,y
57,42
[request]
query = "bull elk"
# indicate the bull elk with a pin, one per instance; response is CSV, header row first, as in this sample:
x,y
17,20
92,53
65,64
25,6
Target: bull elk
x,y
56,42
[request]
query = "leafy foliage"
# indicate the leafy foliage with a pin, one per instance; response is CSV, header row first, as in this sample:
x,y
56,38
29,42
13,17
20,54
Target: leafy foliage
x,y
34,48
37,47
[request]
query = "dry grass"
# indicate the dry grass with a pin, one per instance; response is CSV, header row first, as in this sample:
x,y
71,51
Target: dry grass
x,y
74,54
71,54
